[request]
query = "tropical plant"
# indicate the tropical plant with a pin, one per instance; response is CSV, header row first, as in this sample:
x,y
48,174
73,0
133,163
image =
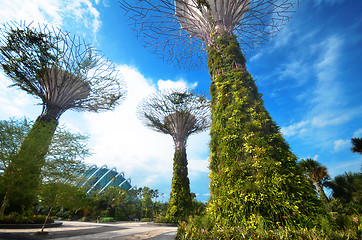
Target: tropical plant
x,y
357,145
64,73
317,174
178,113
347,190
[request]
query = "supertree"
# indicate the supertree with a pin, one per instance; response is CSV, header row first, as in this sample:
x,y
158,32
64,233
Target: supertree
x,y
178,113
253,173
64,73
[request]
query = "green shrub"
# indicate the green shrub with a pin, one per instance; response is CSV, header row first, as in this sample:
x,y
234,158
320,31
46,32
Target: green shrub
x,y
199,228
163,219
107,219
66,214
146,220
15,218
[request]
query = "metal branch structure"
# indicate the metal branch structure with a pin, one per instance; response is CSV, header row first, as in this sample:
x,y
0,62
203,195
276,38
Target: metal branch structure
x,y
178,113
180,30
60,69
65,73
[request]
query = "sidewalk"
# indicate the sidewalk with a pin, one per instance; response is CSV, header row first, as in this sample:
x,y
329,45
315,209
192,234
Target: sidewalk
x,y
86,230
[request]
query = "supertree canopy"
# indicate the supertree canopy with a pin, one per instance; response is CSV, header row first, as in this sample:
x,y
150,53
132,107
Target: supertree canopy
x,y
254,179
64,73
179,30
178,113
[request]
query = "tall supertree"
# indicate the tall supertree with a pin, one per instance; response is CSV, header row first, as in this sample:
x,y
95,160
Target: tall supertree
x,y
64,73
178,113
253,173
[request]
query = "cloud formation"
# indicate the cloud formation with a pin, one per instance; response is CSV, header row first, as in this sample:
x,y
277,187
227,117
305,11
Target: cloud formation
x,y
75,14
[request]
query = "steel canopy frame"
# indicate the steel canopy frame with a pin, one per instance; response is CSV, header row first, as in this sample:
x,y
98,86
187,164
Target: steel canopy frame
x,y
157,24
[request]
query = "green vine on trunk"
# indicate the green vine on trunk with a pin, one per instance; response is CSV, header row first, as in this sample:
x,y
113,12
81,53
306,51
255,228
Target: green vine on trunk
x,y
253,173
180,203
22,176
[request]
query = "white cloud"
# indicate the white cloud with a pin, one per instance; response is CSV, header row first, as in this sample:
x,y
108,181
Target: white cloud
x,y
358,133
180,84
79,13
295,129
341,144
15,102
326,102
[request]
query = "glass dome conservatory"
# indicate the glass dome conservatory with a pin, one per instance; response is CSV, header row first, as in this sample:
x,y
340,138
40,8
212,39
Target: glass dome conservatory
x,y
96,179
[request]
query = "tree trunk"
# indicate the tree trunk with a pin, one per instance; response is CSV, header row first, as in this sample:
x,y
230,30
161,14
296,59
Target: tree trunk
x,y
180,203
253,173
23,175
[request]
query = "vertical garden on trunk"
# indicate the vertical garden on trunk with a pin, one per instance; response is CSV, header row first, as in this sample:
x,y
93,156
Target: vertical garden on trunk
x,y
253,174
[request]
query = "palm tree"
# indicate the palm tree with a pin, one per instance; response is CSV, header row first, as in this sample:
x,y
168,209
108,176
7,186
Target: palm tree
x,y
317,174
64,73
357,145
347,189
178,113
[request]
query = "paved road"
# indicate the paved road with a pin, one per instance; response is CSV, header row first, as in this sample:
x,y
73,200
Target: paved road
x,y
85,230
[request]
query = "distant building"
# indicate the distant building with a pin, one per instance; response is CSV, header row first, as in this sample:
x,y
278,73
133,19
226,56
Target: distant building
x,y
96,179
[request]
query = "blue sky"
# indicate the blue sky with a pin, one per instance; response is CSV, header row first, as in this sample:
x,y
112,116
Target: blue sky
x,y
309,75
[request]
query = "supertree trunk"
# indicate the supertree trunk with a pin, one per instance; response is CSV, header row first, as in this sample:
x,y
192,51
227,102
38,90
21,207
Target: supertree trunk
x,y
22,176
253,174
180,203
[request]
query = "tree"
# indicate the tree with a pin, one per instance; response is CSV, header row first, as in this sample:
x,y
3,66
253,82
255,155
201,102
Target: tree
x,y
178,113
61,195
357,145
317,174
347,188
64,73
253,173
12,134
64,160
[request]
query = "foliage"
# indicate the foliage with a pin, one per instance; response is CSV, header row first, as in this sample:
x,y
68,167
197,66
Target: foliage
x,y
124,204
63,159
12,134
317,174
357,145
15,218
347,193
180,203
198,228
62,162
22,177
253,173
63,195
146,220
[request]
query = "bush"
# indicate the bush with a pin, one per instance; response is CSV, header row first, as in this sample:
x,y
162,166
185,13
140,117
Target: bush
x,y
15,218
107,219
146,220
203,228
66,214
163,219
